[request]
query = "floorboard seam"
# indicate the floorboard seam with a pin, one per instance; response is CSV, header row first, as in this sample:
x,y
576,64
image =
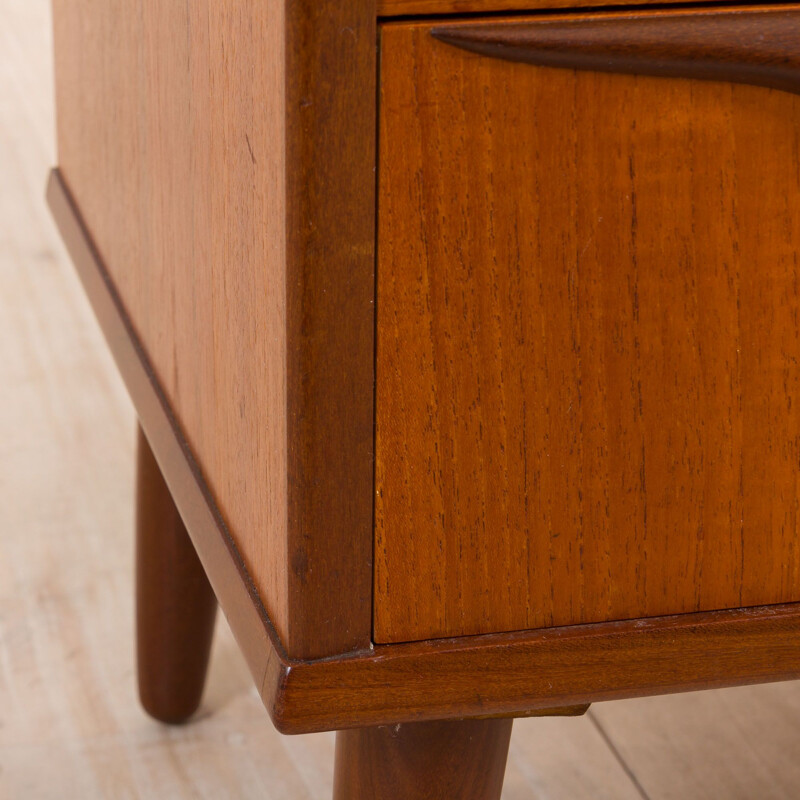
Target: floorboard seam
x,y
618,756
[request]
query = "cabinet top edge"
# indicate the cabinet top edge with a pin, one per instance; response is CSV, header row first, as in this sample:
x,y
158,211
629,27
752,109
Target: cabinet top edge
x,y
389,9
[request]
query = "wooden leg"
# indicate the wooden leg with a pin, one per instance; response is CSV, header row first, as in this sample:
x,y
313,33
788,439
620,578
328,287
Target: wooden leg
x,y
175,605
461,760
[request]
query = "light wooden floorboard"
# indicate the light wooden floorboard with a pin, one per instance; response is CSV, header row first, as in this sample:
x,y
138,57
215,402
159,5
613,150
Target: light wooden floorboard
x,y
735,744
70,723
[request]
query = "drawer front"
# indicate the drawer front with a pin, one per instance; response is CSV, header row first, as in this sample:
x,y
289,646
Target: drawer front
x,y
588,344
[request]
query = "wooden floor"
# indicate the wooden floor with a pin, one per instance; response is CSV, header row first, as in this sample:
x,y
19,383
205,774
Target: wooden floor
x,y
70,725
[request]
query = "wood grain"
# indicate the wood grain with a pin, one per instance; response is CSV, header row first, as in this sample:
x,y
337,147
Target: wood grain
x,y
459,760
232,196
402,8
258,640
515,672
587,344
67,691
751,46
511,673
331,96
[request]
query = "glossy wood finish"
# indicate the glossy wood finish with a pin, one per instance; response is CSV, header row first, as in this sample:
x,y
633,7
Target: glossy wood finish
x,y
231,194
447,678
752,46
729,743
457,760
587,344
66,645
175,605
403,8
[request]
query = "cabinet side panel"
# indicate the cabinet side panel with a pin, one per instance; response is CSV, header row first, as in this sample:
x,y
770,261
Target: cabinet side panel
x,y
587,345
171,140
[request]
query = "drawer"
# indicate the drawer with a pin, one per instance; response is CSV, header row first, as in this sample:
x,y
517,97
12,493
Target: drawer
x,y
588,330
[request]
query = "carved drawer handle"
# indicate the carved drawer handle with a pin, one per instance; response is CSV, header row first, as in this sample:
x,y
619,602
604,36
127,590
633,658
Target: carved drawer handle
x,y
759,47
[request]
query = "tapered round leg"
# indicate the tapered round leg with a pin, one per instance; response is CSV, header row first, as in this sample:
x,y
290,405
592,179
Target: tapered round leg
x,y
175,605
461,760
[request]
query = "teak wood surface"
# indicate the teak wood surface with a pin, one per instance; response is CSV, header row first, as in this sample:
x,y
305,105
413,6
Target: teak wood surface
x,y
230,189
457,760
67,562
175,604
587,343
755,46
510,674
404,8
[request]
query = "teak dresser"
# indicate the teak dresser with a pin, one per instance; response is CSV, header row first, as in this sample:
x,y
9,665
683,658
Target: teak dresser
x,y
465,340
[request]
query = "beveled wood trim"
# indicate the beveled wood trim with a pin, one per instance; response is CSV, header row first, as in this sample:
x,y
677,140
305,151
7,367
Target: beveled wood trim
x,y
480,676
758,46
519,672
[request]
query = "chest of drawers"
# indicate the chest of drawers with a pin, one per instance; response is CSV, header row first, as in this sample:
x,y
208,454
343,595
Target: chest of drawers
x,y
464,339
